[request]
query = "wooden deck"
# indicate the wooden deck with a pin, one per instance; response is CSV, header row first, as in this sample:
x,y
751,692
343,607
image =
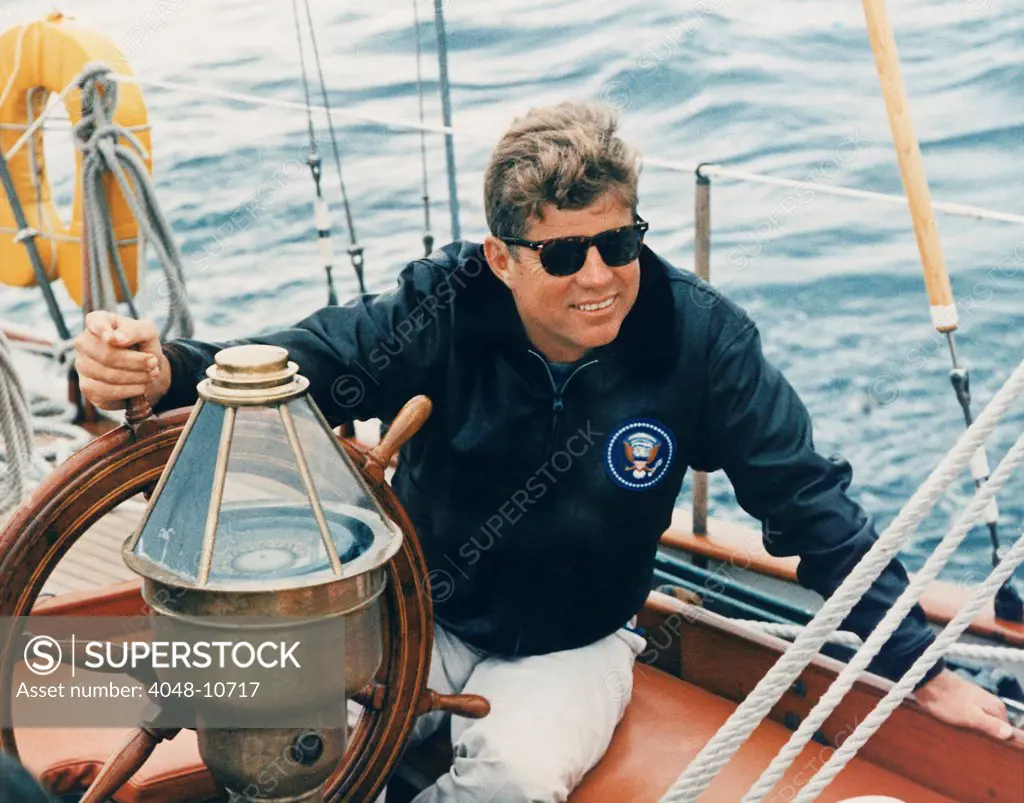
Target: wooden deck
x,y
95,560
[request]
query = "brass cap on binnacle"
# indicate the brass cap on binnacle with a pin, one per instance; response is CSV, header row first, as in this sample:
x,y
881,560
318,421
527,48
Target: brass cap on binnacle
x,y
252,374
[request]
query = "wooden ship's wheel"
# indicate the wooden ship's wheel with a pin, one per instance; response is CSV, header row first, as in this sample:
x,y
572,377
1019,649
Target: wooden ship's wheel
x,y
128,461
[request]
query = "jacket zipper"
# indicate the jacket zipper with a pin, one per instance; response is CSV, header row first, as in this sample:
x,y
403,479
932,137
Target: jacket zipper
x,y
557,404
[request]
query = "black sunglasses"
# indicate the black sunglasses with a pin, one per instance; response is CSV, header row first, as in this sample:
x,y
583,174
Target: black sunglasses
x,y
564,256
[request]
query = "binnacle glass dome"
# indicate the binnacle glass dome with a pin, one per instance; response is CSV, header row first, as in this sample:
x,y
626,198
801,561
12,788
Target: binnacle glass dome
x,y
259,493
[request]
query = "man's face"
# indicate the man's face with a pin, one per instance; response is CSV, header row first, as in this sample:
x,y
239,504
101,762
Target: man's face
x,y
552,307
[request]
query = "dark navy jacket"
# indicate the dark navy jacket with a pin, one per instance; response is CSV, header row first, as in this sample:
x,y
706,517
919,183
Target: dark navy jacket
x,y
520,490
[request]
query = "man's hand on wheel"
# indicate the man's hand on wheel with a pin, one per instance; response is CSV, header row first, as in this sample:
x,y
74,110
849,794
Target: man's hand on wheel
x,y
118,358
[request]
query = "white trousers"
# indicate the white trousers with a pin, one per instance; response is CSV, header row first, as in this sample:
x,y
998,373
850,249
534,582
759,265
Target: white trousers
x,y
552,718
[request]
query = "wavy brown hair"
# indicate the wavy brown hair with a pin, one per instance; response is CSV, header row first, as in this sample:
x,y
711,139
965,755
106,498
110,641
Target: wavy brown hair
x,y
566,155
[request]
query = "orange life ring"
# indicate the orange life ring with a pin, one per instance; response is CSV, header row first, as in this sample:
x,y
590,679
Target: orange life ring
x,y
47,55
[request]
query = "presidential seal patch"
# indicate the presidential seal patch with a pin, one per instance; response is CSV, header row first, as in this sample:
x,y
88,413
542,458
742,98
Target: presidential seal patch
x,y
637,455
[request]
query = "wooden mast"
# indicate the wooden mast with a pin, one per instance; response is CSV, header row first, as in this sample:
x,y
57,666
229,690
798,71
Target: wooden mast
x,y
915,183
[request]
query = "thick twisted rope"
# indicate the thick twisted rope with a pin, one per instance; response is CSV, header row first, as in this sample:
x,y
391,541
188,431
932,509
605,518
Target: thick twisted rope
x,y
884,630
983,594
102,152
16,432
23,462
967,652
724,744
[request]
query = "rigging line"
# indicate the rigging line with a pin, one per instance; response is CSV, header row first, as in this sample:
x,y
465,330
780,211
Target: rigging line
x,y
49,116
321,212
446,116
26,235
355,250
959,210
712,170
428,238
62,238
260,100
17,64
305,82
31,129
36,170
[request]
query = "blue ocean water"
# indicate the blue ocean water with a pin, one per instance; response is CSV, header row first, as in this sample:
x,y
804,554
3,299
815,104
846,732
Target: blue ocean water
x,y
787,88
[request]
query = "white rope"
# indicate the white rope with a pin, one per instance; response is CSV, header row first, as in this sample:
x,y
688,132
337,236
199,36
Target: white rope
x,y
19,126
30,130
723,745
259,100
890,622
62,238
57,122
15,431
52,108
17,65
960,210
23,463
51,124
60,352
967,652
983,594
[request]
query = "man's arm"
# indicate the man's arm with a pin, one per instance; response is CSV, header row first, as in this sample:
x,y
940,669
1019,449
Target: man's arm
x,y
759,432
364,359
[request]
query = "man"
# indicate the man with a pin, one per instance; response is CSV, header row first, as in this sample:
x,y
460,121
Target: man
x,y
575,376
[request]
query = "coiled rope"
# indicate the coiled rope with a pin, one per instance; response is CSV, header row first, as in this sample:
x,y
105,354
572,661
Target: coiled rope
x,y
22,463
724,744
99,139
16,431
